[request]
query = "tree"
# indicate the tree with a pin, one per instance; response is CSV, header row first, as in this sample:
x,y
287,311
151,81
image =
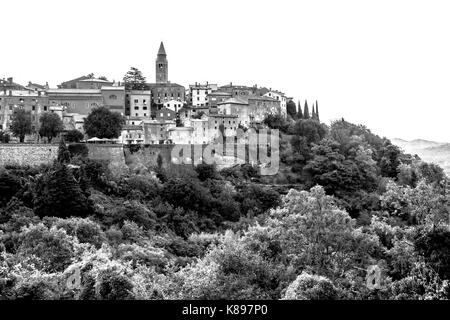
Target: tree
x,y
51,125
306,111
291,109
58,194
21,124
317,111
313,113
74,136
63,152
299,112
4,137
102,123
134,80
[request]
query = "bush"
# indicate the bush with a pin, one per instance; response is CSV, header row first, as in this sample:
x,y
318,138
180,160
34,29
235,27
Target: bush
x,y
112,285
53,246
74,136
78,149
311,287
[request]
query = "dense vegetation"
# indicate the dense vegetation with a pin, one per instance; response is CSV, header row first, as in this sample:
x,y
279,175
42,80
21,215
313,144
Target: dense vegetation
x,y
79,229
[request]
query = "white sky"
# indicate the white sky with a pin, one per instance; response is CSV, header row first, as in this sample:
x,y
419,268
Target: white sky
x,y
383,63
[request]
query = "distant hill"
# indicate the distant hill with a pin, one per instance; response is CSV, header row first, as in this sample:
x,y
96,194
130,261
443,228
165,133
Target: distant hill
x,y
429,151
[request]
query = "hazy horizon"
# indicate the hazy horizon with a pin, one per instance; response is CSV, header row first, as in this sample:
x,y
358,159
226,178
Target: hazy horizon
x,y
383,64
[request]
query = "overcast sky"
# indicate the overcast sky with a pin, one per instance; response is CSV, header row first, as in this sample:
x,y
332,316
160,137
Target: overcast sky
x,y
383,63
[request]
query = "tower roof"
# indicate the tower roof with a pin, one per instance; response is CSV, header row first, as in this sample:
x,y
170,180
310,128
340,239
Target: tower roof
x,y
161,50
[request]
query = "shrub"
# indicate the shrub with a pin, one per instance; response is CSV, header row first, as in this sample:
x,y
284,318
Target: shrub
x,y
311,287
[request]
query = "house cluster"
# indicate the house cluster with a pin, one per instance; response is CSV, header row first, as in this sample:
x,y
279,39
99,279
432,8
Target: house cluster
x,y
163,112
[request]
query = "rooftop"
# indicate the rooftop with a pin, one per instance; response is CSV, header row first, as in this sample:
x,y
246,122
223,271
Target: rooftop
x,y
95,80
74,91
234,101
168,84
117,88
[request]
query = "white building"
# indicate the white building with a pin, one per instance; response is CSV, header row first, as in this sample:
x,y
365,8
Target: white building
x,y
174,105
280,96
199,93
181,135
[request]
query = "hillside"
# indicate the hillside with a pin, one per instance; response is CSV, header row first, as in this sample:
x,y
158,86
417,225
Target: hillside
x,y
429,151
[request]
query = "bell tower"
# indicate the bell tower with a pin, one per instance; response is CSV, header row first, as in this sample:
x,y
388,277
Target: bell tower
x,y
162,66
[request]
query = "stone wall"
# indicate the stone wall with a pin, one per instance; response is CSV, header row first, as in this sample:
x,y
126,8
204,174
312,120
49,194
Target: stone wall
x,y
27,154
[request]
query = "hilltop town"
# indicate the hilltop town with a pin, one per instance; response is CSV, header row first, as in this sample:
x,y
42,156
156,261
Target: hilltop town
x,y
162,112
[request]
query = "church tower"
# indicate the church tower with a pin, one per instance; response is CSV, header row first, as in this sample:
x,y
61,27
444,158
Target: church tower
x,y
162,66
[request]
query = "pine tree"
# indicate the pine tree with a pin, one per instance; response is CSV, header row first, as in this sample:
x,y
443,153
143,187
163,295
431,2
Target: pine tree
x,y
63,152
306,111
299,112
58,194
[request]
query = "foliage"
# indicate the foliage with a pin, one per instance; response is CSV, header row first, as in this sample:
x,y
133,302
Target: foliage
x,y
58,194
134,80
50,125
102,123
21,124
311,287
74,136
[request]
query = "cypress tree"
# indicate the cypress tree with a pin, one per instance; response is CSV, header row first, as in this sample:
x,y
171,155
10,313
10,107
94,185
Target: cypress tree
x,y
313,113
63,152
299,112
317,111
306,111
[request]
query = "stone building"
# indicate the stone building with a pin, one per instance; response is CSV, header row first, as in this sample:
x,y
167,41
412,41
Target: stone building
x,y
229,122
181,135
114,98
132,134
259,107
238,107
139,102
165,114
216,97
157,132
34,102
85,82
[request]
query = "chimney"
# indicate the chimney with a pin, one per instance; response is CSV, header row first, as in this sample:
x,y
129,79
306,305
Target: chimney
x,y
10,80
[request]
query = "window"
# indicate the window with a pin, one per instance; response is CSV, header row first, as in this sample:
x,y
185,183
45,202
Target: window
x,y
10,107
136,100
33,108
144,108
144,116
137,115
136,108
113,97
45,108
